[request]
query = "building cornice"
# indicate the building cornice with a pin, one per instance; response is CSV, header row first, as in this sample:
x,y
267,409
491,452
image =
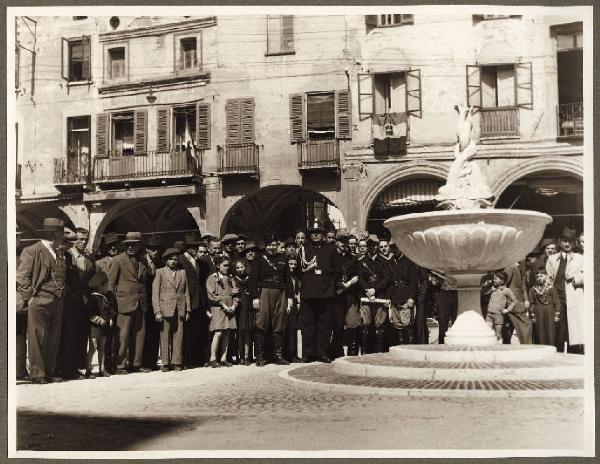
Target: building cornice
x,y
160,29
202,77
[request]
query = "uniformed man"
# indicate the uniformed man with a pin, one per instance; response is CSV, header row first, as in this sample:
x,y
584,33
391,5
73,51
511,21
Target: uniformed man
x,y
373,278
151,258
271,292
321,270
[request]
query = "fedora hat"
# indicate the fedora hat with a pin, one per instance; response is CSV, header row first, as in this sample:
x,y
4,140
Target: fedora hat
x,y
153,241
373,238
110,238
179,245
208,236
132,237
52,225
170,252
250,246
229,238
191,239
241,237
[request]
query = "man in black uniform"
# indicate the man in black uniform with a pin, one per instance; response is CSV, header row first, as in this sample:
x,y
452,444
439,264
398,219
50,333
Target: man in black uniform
x,y
321,269
271,292
152,261
373,278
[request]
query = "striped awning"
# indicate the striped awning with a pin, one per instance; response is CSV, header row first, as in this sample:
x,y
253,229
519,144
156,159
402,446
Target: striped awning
x,y
409,193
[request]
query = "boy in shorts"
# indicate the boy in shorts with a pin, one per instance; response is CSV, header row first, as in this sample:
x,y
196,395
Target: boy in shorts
x,y
502,301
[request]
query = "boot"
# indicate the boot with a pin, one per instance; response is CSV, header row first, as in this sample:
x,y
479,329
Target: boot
x,y
278,349
259,343
364,345
353,343
379,341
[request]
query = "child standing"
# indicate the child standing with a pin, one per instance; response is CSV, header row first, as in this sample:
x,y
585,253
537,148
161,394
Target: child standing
x,y
222,293
544,308
291,331
502,301
171,303
245,313
101,313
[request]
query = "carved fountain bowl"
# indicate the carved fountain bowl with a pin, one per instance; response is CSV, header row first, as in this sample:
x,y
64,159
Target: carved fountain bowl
x,y
457,241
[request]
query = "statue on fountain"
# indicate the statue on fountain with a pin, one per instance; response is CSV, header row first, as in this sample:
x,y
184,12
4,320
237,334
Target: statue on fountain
x,y
466,187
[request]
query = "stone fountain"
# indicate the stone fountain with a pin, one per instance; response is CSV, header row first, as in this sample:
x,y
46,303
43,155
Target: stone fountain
x,y
465,240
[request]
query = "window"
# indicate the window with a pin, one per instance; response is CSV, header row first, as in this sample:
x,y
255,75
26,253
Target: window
x,y
78,138
320,115
239,115
76,64
500,85
280,34
477,18
122,134
497,86
387,93
184,124
190,127
388,20
569,41
188,53
116,63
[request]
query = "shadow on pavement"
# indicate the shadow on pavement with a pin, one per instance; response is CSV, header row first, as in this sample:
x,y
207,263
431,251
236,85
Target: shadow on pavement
x,y
47,431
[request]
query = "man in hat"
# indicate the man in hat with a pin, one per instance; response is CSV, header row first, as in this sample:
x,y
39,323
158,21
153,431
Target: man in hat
x,y
549,248
21,323
151,258
127,281
271,291
214,252
228,242
41,278
565,273
373,278
249,255
110,249
75,327
196,272
321,270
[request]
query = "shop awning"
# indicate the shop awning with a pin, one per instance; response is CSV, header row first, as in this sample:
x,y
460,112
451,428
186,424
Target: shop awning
x,y
409,193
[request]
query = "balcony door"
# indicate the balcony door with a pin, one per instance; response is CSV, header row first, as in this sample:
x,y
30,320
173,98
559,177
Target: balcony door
x,y
78,148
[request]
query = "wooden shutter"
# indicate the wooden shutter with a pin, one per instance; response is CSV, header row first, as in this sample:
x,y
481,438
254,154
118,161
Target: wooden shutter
x,y
474,86
102,134
287,33
297,117
86,58
371,21
343,111
366,102
64,57
140,127
524,85
413,93
203,126
247,120
162,130
232,121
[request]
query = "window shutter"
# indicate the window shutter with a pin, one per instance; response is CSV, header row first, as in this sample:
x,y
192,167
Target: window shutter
x,y
247,120
474,86
366,101
162,130
524,85
296,118
86,57
203,126
139,131
343,105
413,93
64,56
101,134
371,21
232,121
287,33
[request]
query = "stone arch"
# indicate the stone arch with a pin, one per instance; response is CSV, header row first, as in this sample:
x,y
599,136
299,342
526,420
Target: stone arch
x,y
402,172
571,166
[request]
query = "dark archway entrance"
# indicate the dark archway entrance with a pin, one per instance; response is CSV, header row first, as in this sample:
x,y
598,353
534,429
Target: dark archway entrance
x,y
557,193
31,218
280,209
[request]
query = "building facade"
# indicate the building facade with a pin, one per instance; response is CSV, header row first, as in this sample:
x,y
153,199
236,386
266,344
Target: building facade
x,y
261,123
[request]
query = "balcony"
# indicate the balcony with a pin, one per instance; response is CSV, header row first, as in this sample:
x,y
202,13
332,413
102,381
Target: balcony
x,y
570,119
319,154
239,159
499,122
72,171
146,167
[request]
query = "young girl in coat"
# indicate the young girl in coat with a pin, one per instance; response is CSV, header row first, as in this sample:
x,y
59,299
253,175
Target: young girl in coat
x,y
245,313
544,308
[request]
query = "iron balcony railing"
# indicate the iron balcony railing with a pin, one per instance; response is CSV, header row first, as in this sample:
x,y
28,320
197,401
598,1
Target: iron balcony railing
x,y
240,158
315,154
499,122
146,166
72,170
570,119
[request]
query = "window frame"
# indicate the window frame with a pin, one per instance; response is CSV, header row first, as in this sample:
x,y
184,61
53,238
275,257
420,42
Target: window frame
x,y
281,51
177,38
112,132
107,62
67,43
405,19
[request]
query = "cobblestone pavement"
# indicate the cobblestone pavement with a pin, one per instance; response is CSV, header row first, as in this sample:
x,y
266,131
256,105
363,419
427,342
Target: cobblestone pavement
x,y
252,408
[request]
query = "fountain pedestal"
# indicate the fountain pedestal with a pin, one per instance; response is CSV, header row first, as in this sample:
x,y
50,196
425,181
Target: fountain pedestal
x,y
469,327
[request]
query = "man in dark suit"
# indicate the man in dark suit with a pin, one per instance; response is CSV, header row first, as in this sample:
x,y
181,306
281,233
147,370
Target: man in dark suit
x,y
196,272
127,281
110,250
21,323
152,328
41,278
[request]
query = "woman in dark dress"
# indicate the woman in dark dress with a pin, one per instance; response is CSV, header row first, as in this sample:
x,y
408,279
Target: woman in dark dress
x,y
245,314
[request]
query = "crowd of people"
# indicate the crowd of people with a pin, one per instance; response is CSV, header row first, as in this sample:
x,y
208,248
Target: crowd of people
x,y
213,302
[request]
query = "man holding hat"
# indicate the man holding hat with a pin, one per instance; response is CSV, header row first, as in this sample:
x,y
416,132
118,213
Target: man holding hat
x,y
321,270
152,328
127,281
41,278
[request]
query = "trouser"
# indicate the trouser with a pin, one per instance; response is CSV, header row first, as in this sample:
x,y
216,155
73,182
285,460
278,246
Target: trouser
x,y
373,316
111,351
21,345
421,332
205,336
131,338
244,338
232,348
171,339
192,339
74,338
447,304
291,343
523,325
338,321
152,333
403,336
315,317
44,326
272,310
562,328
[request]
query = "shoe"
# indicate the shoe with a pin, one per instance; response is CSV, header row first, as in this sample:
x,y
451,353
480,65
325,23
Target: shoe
x,y
281,361
89,375
55,379
165,369
261,362
103,374
296,360
226,363
177,368
206,364
39,381
121,371
73,375
306,360
214,364
325,359
245,362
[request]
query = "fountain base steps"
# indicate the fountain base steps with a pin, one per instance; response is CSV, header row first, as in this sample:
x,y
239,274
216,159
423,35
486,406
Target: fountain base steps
x,y
499,371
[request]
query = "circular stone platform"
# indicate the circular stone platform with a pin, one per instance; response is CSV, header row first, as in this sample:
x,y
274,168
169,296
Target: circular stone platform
x,y
438,370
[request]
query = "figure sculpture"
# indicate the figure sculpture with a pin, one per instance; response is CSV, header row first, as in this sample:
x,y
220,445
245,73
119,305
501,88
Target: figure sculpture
x,y
465,187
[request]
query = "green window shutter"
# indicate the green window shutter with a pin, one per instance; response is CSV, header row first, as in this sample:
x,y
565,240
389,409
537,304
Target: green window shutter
x,y
343,105
287,33
102,134
203,126
247,120
296,118
232,121
162,130
140,128
86,57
